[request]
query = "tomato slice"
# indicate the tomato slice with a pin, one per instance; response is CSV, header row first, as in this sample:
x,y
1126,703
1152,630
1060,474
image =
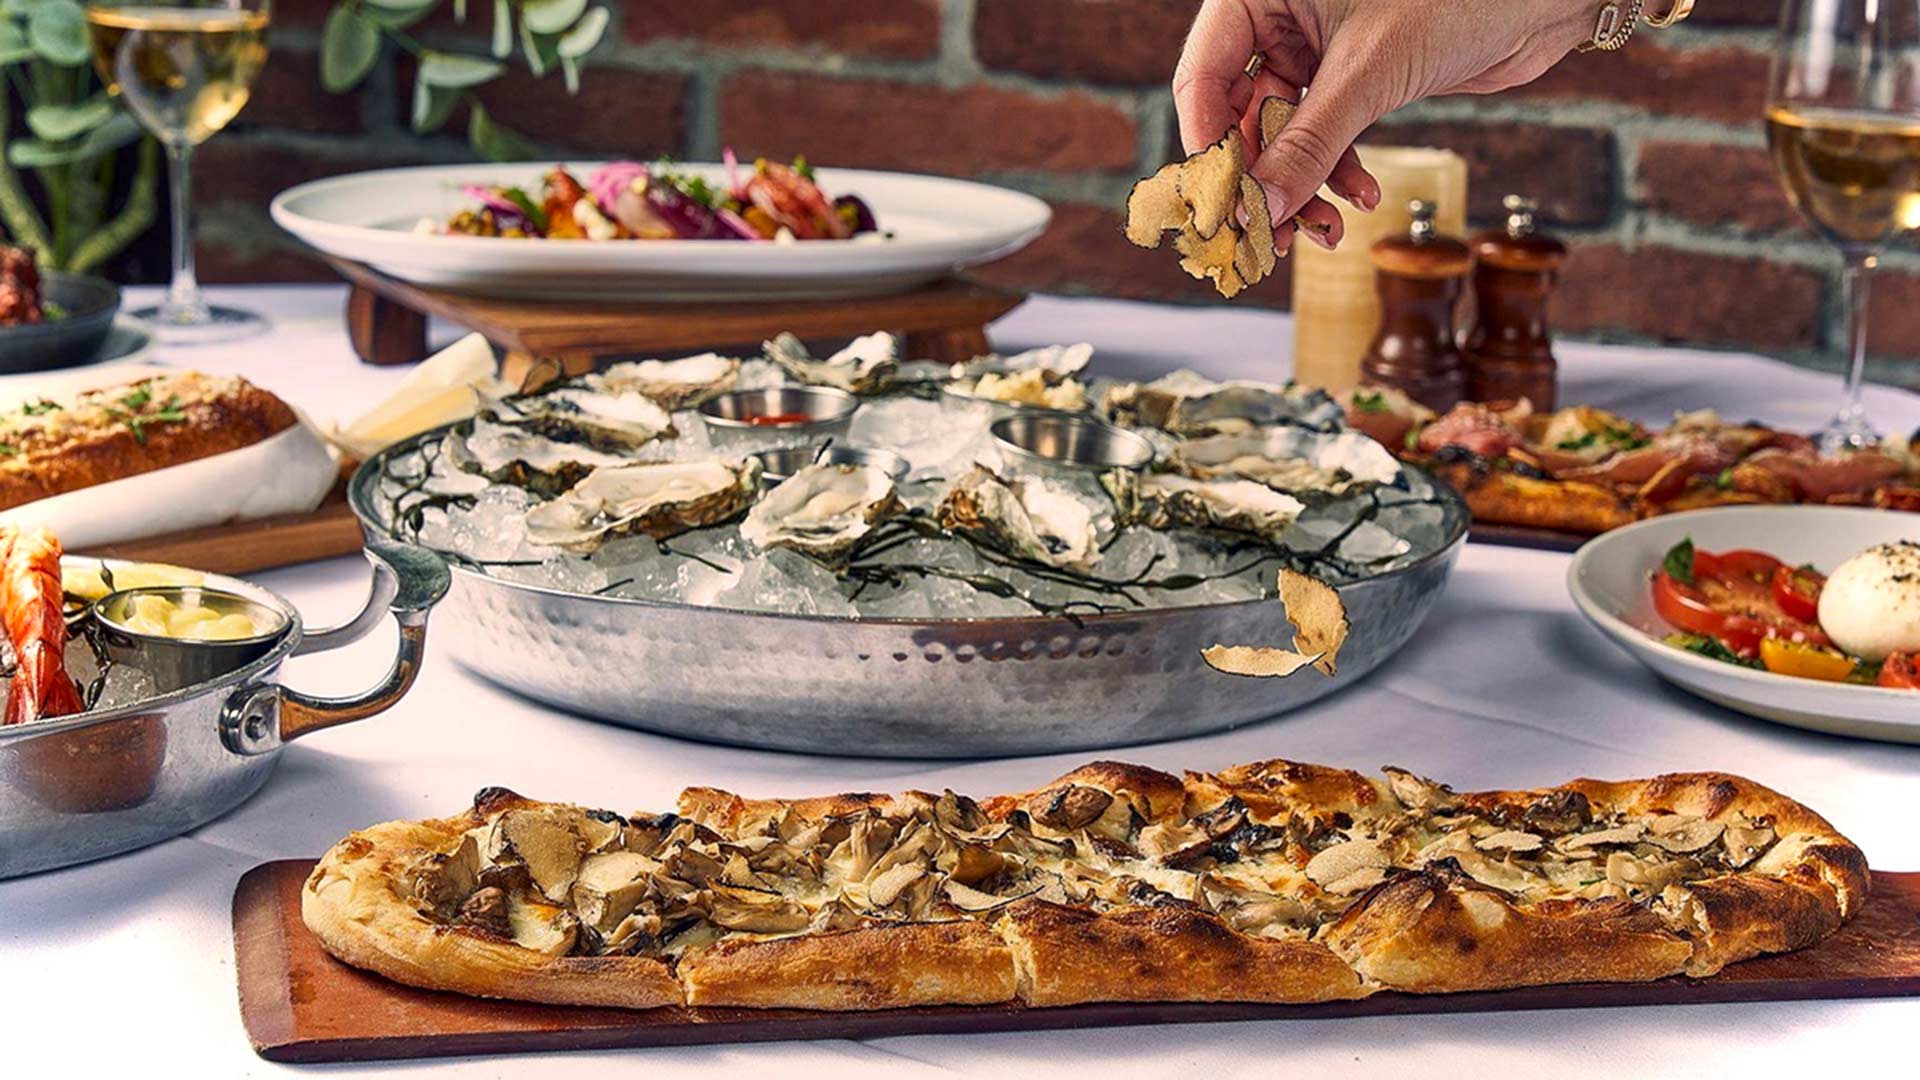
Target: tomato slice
x,y
1796,590
1898,672
1805,661
1733,600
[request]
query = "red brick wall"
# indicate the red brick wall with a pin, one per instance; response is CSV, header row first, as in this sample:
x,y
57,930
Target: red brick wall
x,y
1651,162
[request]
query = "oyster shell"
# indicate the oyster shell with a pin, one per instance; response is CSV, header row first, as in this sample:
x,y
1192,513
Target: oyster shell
x,y
1029,387
1026,517
867,363
821,510
660,499
1289,458
1055,363
514,455
1165,500
671,384
599,418
1188,403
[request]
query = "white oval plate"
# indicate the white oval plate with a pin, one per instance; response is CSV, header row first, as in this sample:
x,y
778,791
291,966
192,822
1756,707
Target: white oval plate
x,y
1609,582
939,225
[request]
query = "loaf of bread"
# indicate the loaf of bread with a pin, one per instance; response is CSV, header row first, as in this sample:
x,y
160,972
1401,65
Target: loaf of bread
x,y
50,447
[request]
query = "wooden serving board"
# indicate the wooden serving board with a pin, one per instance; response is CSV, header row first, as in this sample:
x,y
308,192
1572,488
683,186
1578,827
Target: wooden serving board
x,y
1525,536
301,1005
248,546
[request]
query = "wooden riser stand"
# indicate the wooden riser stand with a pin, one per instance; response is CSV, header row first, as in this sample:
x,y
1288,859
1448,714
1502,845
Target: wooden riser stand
x,y
544,339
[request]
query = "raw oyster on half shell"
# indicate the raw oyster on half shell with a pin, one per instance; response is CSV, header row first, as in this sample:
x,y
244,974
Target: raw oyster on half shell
x,y
659,499
821,510
1026,517
598,418
1288,458
1166,500
1188,403
867,363
513,455
671,384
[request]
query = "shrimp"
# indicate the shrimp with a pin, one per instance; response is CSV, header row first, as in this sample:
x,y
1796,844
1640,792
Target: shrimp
x,y
30,608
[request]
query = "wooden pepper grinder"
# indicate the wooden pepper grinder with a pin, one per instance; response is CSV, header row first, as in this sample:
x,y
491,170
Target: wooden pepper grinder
x,y
1419,276
1509,354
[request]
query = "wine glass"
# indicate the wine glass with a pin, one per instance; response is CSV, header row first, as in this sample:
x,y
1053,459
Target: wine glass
x,y
1843,121
184,68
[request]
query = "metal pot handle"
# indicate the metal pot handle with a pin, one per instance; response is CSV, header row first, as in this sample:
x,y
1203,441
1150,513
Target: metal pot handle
x,y
407,581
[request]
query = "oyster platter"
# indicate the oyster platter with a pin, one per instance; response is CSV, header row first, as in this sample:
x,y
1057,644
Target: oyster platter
x,y
1013,506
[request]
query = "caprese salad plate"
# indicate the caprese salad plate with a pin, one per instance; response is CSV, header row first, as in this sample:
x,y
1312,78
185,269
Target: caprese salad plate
x,y
1804,615
649,231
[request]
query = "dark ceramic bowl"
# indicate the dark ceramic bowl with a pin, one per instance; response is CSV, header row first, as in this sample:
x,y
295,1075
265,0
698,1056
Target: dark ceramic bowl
x,y
90,303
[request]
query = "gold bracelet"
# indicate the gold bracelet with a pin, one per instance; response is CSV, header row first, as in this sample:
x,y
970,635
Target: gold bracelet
x,y
1614,26
1677,13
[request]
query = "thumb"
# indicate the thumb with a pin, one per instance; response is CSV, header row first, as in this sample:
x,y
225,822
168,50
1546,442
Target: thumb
x,y
1335,110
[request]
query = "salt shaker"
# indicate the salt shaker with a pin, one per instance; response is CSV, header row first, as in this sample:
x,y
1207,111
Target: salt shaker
x,y
1419,276
1509,353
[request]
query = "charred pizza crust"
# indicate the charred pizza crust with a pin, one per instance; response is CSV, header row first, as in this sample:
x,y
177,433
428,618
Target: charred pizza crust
x,y
1274,881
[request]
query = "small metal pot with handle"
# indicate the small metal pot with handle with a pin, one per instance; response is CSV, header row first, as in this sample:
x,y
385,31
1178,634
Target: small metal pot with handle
x,y
112,780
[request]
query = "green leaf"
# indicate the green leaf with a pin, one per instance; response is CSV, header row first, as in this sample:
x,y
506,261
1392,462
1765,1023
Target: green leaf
x,y
13,43
57,30
585,34
502,29
570,72
108,137
399,18
456,71
541,49
497,143
1679,562
431,105
349,45
551,16
58,123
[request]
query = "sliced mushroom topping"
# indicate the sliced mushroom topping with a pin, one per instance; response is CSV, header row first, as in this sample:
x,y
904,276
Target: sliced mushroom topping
x,y
1680,834
610,886
867,840
958,813
1074,806
1558,812
600,829
1510,840
1743,845
1354,866
756,911
636,933
970,864
694,867
442,882
1418,792
548,929
1642,875
486,911
1165,839
1630,833
969,899
544,841
886,885
1494,873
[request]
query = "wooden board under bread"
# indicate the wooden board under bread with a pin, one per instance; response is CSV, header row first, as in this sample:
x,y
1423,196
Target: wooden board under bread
x,y
245,547
301,1005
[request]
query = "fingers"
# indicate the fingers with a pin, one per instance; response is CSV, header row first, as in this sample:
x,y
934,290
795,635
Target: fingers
x,y
1351,181
1336,109
1210,85
1324,225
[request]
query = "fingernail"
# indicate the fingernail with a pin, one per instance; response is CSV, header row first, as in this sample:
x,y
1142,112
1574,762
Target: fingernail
x,y
1276,203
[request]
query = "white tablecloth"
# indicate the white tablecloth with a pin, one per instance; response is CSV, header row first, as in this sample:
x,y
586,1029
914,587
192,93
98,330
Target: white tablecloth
x,y
125,967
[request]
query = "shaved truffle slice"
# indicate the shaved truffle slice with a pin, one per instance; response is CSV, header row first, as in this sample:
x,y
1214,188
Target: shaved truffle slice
x,y
1255,257
1319,618
1209,182
1276,113
1212,259
1254,661
1154,206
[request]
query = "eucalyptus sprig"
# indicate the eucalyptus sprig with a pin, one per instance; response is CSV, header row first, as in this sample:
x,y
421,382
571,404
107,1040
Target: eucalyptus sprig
x,y
549,34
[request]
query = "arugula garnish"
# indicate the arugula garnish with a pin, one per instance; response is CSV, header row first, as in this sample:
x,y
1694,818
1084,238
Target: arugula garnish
x,y
536,216
1580,443
1724,481
167,413
1710,648
8,449
1413,436
1374,402
43,405
1679,562
801,166
139,397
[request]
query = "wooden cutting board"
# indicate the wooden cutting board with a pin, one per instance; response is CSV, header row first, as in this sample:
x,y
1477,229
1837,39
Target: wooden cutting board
x,y
247,546
301,1005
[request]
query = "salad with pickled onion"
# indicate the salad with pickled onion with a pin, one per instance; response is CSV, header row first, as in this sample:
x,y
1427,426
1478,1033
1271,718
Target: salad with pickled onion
x,y
628,200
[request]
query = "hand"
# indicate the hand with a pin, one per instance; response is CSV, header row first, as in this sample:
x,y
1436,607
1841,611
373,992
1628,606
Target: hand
x,y
1357,60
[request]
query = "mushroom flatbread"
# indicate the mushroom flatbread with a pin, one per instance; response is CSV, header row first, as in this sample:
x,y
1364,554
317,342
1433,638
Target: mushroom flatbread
x,y
1274,882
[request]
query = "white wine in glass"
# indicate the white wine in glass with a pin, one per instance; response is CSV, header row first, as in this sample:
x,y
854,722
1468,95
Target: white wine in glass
x,y
185,71
1843,122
